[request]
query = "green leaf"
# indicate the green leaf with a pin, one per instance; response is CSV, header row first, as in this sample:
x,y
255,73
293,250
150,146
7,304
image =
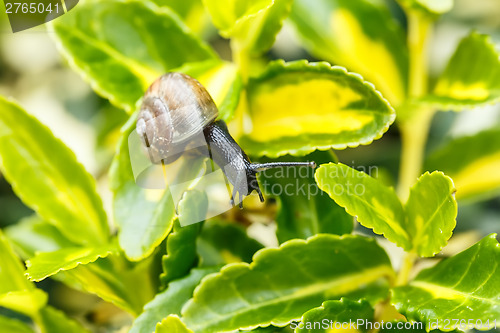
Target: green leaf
x,y
45,174
375,205
172,324
431,213
56,321
358,35
144,216
181,244
331,312
299,107
303,209
229,15
463,86
16,292
472,162
46,264
169,301
221,242
432,7
281,284
121,47
253,25
115,280
181,252
33,234
14,326
464,286
193,14
222,80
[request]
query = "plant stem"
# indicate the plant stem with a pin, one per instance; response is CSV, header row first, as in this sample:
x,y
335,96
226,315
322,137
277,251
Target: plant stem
x,y
415,125
419,33
406,267
414,134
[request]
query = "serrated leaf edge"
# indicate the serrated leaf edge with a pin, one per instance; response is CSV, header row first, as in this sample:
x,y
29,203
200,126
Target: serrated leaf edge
x,y
280,66
29,264
262,252
447,236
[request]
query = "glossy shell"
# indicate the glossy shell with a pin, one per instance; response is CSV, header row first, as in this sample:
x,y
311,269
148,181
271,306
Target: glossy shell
x,y
175,109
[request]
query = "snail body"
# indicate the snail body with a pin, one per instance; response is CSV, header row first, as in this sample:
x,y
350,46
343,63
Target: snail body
x,y
176,110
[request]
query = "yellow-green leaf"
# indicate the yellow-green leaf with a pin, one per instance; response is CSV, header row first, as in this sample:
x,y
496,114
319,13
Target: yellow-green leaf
x,y
172,324
253,25
463,287
472,162
115,280
471,78
16,292
193,13
33,234
299,107
281,284
45,174
46,264
55,321
121,47
229,15
431,213
375,205
359,35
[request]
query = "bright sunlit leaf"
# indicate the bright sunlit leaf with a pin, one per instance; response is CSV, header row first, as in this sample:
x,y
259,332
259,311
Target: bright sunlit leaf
x,y
374,205
121,47
431,213
253,25
16,292
43,265
46,175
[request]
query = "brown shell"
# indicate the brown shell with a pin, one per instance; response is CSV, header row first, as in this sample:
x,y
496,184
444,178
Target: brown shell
x,y
175,108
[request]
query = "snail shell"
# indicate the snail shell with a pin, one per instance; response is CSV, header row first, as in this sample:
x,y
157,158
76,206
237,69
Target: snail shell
x,y
175,109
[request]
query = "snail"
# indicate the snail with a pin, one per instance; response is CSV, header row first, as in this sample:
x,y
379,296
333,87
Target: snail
x,y
175,110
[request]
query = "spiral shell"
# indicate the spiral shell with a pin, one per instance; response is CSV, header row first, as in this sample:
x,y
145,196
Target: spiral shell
x,y
175,108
